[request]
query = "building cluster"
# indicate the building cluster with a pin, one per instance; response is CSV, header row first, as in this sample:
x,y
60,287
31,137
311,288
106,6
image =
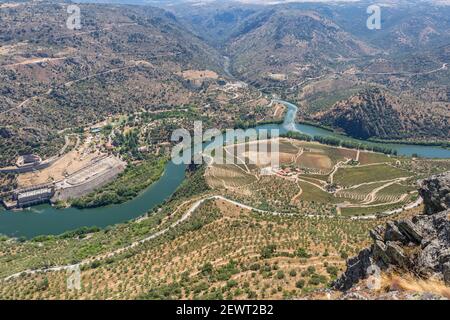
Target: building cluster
x,y
28,163
30,196
28,160
82,182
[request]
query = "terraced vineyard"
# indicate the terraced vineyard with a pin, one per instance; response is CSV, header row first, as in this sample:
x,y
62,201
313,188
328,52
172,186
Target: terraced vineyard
x,y
220,252
363,115
317,179
230,232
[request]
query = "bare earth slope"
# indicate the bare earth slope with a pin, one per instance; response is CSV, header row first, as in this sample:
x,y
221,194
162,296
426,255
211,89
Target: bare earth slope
x,y
123,59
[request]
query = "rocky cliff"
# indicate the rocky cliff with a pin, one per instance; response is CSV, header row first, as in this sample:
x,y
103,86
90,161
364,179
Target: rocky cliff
x,y
418,246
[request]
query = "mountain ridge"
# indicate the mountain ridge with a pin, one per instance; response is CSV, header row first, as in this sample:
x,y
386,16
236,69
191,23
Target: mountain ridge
x,y
374,113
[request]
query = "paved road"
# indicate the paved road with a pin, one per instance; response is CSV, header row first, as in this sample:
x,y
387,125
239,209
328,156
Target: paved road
x,y
444,67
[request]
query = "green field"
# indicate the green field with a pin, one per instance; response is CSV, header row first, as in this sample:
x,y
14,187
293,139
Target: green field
x,y
373,157
353,176
314,194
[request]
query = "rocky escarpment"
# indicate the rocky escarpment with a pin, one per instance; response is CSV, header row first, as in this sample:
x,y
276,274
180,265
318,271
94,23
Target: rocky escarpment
x,y
436,194
419,246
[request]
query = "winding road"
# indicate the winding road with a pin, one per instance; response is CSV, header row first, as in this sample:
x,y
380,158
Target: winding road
x,y
183,218
69,83
444,67
195,205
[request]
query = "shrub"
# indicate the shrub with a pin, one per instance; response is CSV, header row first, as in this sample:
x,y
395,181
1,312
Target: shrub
x,y
268,251
300,284
311,270
332,270
302,253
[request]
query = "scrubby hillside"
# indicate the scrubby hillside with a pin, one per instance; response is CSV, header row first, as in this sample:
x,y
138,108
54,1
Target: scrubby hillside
x,y
277,45
123,59
417,249
376,113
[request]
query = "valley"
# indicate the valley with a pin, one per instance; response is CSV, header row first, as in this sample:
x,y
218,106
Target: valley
x,y
87,171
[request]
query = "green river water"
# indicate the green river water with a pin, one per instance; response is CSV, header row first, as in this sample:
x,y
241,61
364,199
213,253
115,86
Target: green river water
x,y
45,219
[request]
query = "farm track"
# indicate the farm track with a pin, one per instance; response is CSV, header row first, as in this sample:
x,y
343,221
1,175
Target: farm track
x,y
373,182
69,83
371,197
340,164
195,205
298,195
298,155
183,218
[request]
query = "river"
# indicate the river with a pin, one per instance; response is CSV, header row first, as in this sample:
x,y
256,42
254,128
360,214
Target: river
x,y
46,220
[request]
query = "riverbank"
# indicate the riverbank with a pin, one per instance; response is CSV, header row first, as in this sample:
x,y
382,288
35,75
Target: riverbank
x,y
338,143
127,186
45,220
402,149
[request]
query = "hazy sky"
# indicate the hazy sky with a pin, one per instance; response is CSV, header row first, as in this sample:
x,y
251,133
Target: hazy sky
x,y
288,1
270,1
266,2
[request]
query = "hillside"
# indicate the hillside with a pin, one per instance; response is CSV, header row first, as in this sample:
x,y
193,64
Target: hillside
x,y
288,45
410,253
319,54
218,251
376,113
124,59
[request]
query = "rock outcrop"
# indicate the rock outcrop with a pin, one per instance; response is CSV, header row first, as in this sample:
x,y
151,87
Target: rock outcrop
x,y
420,245
436,193
4,133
